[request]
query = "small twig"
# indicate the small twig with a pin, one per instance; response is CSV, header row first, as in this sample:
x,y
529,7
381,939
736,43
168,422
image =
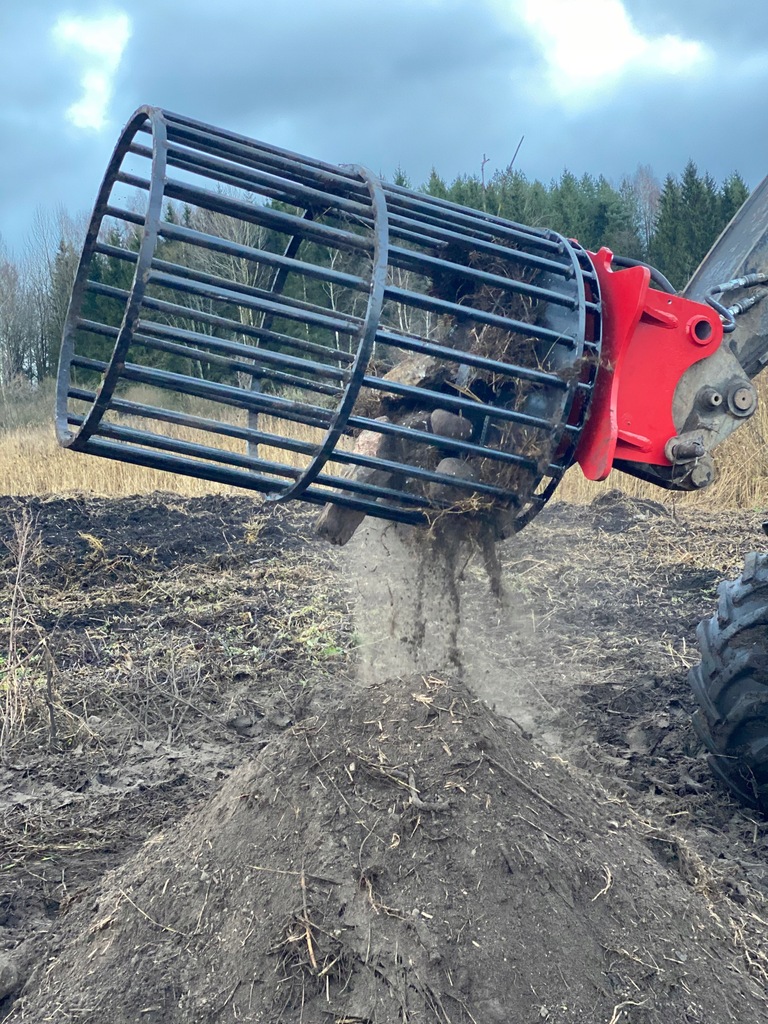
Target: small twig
x,y
49,670
328,967
307,923
608,883
424,805
620,1006
528,789
202,909
163,927
538,828
507,857
177,697
319,764
295,874
230,997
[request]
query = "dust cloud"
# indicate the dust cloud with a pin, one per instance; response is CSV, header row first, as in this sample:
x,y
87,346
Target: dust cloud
x,y
434,602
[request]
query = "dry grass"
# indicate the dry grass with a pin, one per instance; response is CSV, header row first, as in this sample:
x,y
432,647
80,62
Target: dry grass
x,y
13,677
26,670
31,462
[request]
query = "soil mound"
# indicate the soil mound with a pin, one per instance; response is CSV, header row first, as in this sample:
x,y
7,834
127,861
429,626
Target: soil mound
x,y
405,856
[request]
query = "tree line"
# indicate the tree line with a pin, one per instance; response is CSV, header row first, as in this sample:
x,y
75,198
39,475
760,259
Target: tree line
x,y
670,225
34,295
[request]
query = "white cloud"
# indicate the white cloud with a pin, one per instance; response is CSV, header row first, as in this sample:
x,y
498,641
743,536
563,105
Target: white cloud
x,y
98,45
588,46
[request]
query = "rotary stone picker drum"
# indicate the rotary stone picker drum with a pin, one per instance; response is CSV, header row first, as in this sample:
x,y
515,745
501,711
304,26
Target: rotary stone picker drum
x,y
250,316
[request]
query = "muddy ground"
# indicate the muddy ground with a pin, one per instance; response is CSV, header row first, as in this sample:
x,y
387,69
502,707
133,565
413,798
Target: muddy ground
x,y
249,778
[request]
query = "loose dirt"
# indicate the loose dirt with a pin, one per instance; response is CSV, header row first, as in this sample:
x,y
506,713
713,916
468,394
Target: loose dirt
x,y
228,794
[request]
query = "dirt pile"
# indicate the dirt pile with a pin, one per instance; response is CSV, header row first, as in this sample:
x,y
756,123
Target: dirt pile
x,y
403,857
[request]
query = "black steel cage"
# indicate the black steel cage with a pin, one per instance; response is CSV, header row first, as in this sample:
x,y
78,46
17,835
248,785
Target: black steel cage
x,y
254,317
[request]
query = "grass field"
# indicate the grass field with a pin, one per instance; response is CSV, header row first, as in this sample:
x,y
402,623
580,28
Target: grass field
x,y
31,462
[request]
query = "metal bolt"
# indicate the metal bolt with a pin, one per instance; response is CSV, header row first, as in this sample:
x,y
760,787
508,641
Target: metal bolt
x,y
710,397
743,399
684,449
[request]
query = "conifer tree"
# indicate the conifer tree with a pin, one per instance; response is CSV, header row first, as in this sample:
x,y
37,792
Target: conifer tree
x,y
733,193
507,194
538,206
401,178
436,186
667,250
467,190
567,205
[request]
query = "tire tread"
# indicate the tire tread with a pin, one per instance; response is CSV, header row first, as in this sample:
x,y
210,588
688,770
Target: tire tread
x,y
730,684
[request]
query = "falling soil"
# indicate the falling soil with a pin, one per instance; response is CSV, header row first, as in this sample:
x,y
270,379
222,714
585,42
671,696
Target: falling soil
x,y
406,585
208,816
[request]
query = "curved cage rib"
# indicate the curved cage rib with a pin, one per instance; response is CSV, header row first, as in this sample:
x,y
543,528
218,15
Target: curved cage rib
x,y
251,316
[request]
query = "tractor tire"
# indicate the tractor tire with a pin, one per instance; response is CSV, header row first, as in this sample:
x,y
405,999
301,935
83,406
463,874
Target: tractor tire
x,y
731,684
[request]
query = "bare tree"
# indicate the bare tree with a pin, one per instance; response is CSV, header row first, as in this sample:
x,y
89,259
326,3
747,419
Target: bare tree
x,y
15,324
48,267
647,189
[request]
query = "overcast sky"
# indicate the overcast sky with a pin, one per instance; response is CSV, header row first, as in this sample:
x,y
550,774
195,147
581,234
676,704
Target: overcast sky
x,y
596,86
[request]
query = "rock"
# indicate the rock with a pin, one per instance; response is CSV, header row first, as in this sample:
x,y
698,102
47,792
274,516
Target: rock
x,y
448,424
337,523
417,371
458,468
9,975
241,723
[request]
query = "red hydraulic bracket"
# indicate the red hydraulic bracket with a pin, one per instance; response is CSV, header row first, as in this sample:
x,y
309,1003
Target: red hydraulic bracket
x,y
650,338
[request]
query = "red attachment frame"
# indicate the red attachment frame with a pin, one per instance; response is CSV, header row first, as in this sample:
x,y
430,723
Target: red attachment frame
x,y
650,339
